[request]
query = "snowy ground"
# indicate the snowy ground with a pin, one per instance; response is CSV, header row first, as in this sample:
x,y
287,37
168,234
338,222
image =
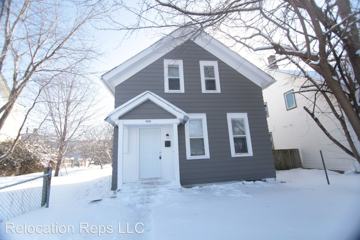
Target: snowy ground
x,y
299,205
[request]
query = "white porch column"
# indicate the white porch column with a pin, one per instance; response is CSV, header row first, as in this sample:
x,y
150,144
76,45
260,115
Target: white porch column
x,y
120,154
176,153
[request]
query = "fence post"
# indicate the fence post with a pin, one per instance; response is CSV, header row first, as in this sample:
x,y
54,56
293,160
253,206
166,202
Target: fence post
x,y
323,162
46,187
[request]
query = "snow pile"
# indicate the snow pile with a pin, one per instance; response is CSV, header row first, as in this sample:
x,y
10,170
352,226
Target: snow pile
x,y
299,205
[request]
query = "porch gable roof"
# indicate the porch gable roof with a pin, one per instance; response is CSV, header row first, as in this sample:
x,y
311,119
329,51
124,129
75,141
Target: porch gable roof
x,y
131,104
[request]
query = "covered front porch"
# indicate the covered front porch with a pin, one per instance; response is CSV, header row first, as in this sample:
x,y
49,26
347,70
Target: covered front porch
x,y
147,140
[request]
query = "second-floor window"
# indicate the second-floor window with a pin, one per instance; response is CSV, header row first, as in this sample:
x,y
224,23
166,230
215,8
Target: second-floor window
x,y
173,76
209,72
290,100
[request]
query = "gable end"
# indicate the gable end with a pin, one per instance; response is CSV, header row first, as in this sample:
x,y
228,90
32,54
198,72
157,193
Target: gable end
x,y
135,64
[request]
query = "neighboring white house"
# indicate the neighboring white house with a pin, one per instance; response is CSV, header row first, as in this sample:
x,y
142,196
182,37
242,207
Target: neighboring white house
x,y
13,122
291,127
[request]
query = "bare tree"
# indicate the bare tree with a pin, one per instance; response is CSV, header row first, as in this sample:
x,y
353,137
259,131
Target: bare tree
x,y
38,41
67,100
35,101
318,36
96,145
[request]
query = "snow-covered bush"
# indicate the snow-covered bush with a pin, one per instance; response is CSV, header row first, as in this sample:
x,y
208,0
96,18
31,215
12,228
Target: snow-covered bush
x,y
21,161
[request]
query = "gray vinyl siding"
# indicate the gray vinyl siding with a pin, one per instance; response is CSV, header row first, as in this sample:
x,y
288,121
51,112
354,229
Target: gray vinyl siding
x,y
238,94
147,110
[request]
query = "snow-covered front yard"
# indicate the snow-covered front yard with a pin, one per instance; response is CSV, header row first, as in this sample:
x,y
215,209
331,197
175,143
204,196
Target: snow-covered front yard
x,y
299,205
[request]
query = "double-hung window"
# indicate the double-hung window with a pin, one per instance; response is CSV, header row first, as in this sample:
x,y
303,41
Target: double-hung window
x,y
239,134
196,135
290,100
173,76
209,73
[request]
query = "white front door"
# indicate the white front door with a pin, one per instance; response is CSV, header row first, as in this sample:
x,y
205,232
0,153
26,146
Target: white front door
x,y
150,152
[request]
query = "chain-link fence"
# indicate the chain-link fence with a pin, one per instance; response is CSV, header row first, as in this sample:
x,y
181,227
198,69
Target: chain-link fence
x,y
26,195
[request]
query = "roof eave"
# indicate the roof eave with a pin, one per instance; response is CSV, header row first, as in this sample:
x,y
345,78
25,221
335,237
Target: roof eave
x,y
161,47
107,84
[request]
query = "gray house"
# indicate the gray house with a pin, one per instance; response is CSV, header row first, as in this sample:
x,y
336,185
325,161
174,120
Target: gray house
x,y
188,110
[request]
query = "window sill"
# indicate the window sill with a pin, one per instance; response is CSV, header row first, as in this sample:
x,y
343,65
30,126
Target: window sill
x,y
242,155
174,91
197,157
211,91
288,109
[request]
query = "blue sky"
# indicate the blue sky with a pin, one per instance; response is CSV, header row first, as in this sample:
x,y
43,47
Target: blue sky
x,y
116,47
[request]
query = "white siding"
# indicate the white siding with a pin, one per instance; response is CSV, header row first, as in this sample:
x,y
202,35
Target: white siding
x,y
295,129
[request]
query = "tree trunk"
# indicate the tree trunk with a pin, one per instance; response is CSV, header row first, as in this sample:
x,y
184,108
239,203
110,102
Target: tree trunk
x,y
341,98
352,43
59,159
5,114
326,71
101,164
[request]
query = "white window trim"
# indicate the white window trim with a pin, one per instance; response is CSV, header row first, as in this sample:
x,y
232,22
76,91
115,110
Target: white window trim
x,y
286,102
167,62
247,133
201,116
202,75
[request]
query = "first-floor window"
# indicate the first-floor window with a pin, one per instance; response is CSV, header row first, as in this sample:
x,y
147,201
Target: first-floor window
x,y
239,134
197,143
